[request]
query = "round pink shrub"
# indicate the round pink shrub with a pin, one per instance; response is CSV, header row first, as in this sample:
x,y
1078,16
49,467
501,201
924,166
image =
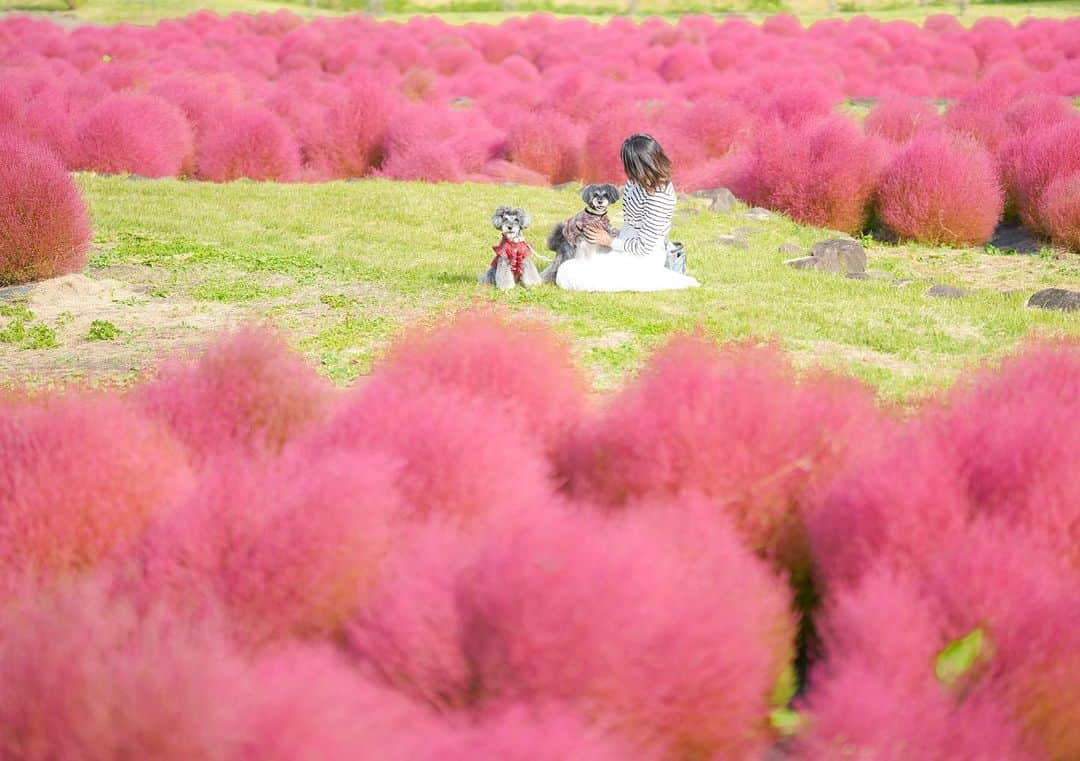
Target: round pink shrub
x,y
251,142
248,390
354,131
521,370
821,173
290,548
429,163
311,705
941,190
601,161
796,104
548,144
44,224
139,134
87,678
731,423
409,633
717,126
901,118
1059,208
83,475
610,615
465,461
1043,156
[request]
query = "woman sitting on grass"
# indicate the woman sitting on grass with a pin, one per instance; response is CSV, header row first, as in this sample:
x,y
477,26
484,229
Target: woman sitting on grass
x,y
637,255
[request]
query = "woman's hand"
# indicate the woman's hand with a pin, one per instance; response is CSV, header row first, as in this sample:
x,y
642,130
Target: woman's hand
x,y
599,236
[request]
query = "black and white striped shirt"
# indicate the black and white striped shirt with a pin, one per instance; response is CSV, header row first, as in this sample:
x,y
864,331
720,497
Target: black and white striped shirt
x,y
649,217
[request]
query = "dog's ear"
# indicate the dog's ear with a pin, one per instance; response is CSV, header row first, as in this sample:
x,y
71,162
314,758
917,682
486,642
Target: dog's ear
x,y
497,218
524,218
612,193
587,191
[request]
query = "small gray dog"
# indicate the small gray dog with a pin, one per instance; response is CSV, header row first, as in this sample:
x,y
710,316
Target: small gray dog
x,y
513,262
568,239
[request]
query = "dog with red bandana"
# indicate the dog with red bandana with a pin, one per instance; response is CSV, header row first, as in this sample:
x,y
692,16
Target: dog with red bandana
x,y
513,262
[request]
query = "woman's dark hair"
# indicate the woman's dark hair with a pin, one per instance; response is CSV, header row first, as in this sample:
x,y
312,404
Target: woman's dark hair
x,y
645,162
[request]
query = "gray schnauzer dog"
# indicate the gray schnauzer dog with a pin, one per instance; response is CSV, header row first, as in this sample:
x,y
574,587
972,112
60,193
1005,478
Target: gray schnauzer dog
x,y
568,239
513,262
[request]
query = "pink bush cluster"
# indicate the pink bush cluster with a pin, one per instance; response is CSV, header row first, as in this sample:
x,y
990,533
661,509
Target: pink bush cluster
x,y
270,97
455,560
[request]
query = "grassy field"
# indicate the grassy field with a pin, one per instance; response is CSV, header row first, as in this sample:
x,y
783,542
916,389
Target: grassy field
x,y
491,11
342,267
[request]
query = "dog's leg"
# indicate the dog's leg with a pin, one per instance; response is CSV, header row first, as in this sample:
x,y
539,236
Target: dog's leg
x,y
529,275
488,278
549,273
504,276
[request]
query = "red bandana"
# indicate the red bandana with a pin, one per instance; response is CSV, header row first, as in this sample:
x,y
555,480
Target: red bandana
x,y
514,252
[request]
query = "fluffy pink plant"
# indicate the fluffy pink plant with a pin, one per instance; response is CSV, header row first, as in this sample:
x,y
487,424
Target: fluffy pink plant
x,y
409,633
796,104
529,733
941,189
521,369
901,118
892,506
251,142
83,475
354,130
140,134
981,120
290,548
466,461
717,126
44,224
546,143
731,423
247,390
610,614
1059,209
427,162
1037,111
821,173
601,161
501,170
1045,154
311,705
88,678
684,61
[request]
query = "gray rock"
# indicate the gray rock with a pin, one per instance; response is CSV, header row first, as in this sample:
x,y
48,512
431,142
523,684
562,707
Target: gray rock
x,y
1017,239
733,241
802,263
758,213
857,276
839,255
790,248
1056,298
722,201
940,291
14,291
744,231
901,282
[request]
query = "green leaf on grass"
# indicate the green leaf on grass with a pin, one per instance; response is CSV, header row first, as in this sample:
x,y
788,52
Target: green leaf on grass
x,y
102,330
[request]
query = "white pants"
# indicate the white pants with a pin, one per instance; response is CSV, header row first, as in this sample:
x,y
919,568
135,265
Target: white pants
x,y
618,271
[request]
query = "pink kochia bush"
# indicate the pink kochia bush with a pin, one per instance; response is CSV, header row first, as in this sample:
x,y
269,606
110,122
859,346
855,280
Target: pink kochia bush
x,y
290,548
522,370
248,390
138,134
44,224
82,476
733,424
1059,210
88,678
941,189
631,618
899,119
250,142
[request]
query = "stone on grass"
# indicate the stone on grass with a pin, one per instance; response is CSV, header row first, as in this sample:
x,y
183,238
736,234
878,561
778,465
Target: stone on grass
x,y
1056,298
758,213
734,241
802,263
901,282
857,276
14,291
940,291
839,255
1017,239
790,248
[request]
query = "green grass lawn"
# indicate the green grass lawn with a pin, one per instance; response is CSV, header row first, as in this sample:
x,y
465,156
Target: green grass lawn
x,y
342,267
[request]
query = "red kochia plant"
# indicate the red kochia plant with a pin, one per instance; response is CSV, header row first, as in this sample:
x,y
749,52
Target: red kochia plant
x,y
248,141
44,225
547,143
247,390
139,134
1036,161
87,678
290,548
941,189
1059,210
731,423
821,173
900,118
82,476
354,129
311,705
519,368
466,459
610,614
